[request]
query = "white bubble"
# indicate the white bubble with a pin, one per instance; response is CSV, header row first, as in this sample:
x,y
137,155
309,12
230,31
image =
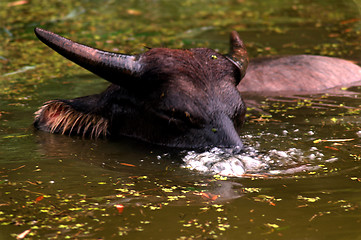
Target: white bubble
x,y
358,134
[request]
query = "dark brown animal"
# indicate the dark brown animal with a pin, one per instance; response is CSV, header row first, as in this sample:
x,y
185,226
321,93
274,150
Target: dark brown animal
x,y
171,97
298,74
180,98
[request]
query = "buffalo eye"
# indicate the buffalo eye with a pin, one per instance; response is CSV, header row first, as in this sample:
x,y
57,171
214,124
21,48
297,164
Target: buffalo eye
x,y
239,118
180,119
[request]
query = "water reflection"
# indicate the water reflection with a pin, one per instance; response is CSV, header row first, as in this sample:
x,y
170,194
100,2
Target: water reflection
x,y
153,172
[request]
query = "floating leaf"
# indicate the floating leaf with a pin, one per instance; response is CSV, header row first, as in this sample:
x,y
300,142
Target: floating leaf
x,y
17,3
332,148
23,234
209,196
134,12
308,199
38,199
272,225
119,207
127,164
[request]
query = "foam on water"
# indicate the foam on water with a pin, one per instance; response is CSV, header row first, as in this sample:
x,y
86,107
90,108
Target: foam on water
x,y
252,161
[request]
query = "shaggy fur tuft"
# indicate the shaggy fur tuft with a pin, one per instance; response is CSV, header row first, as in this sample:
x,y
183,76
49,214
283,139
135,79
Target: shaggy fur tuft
x,y
58,117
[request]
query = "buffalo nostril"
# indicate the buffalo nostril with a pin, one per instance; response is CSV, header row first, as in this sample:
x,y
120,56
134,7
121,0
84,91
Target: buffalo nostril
x,y
233,150
226,135
237,149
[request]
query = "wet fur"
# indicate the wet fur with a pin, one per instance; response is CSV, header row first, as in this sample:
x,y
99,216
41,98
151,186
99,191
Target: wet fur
x,y
58,117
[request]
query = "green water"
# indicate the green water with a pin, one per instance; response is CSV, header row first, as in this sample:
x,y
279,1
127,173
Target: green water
x,y
59,187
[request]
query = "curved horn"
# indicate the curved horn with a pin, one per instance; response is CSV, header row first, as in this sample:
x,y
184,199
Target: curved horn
x,y
238,53
113,67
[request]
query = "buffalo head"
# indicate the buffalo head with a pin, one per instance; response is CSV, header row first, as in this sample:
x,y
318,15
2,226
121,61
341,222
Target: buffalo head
x,y
170,97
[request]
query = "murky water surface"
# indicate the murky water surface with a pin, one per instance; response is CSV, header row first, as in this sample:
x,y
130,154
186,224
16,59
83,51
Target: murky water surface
x,y
299,177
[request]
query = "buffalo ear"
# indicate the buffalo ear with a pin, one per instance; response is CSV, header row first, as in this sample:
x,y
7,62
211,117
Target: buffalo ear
x,y
238,54
117,68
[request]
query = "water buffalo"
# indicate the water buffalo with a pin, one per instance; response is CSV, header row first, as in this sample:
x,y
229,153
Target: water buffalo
x,y
170,97
180,98
298,74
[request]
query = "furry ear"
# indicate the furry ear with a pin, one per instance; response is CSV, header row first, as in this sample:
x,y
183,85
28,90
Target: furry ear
x,y
57,116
